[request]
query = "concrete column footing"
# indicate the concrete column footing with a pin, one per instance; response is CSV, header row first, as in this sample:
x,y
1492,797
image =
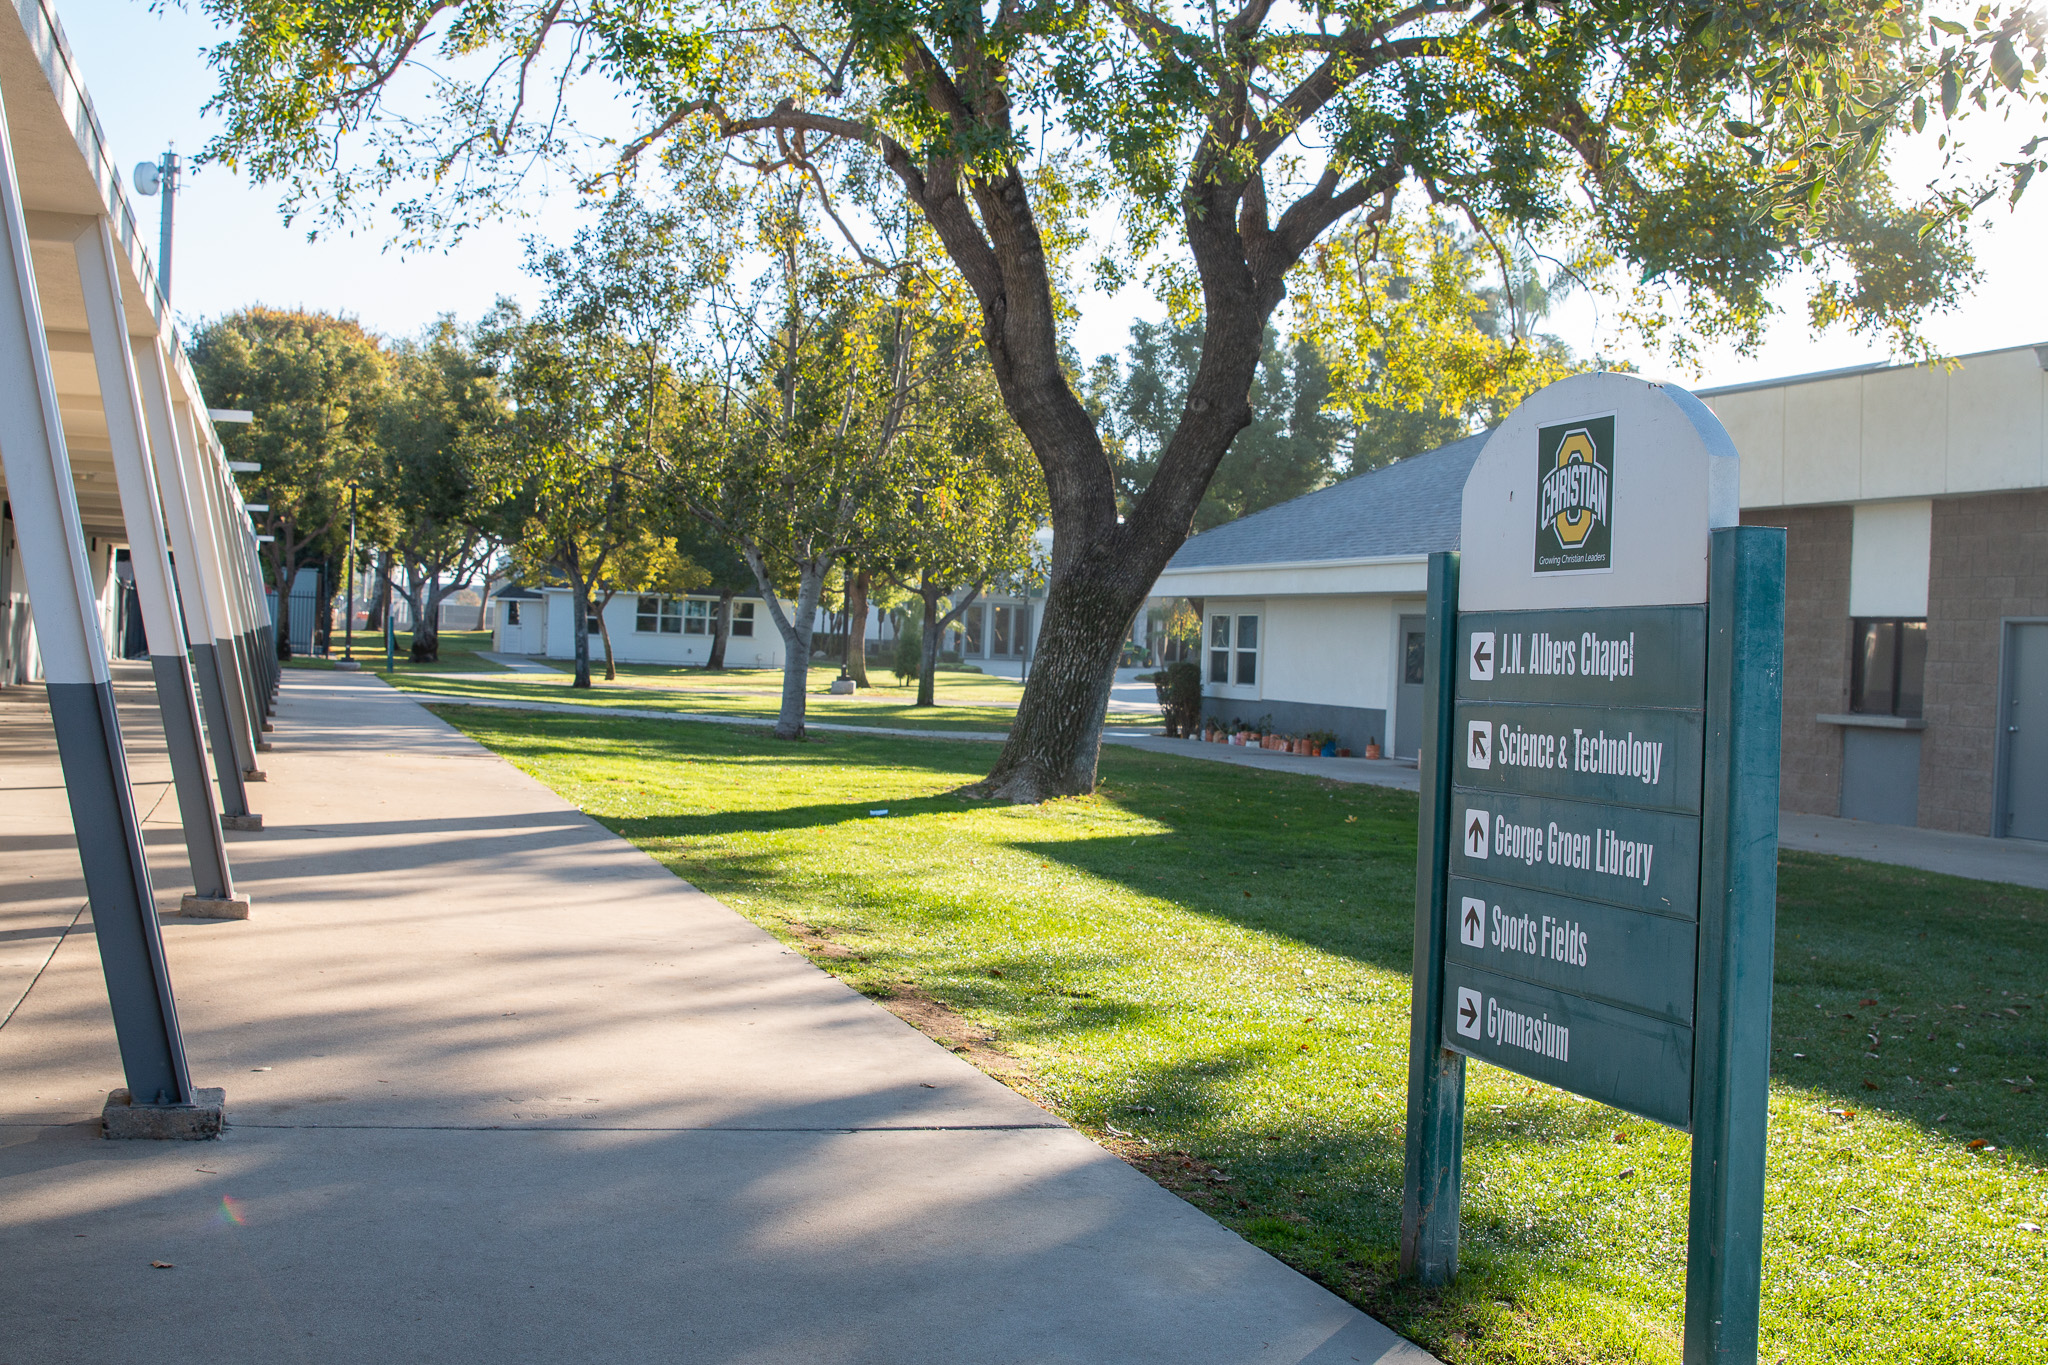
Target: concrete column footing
x,y
262,746
214,907
253,821
255,775
194,1122
348,665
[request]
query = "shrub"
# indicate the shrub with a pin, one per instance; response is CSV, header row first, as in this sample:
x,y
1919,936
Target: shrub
x,y
909,657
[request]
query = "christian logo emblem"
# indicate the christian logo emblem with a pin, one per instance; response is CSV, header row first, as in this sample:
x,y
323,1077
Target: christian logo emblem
x,y
1574,487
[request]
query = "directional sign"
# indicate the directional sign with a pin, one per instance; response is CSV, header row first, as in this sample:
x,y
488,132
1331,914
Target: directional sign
x,y
1633,1061
1616,656
1634,958
1624,756
1600,728
1649,860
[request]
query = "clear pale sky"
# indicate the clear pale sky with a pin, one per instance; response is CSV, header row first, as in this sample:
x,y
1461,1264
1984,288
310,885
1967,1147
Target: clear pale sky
x,y
148,81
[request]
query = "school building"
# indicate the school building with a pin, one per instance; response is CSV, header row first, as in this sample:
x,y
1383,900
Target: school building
x,y
1915,502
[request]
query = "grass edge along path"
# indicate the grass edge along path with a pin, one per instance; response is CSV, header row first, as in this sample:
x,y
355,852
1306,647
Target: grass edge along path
x,y
1206,969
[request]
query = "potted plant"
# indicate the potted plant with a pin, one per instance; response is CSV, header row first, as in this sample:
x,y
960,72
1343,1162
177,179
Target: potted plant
x,y
1372,747
1322,744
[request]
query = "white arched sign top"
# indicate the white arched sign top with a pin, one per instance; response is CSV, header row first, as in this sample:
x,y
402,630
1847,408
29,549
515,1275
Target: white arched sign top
x,y
1597,491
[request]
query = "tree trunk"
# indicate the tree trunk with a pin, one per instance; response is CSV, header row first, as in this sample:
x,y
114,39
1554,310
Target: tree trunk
x,y
857,628
721,629
928,648
604,631
380,601
1057,736
483,607
795,630
579,599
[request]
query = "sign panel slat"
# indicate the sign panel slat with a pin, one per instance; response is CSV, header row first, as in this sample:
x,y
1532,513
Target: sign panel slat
x,y
1632,958
1647,860
1621,756
1610,656
1629,1060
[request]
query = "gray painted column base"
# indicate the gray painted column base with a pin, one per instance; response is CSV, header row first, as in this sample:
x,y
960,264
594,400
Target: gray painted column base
x,y
268,727
347,665
252,822
194,1122
214,907
255,775
263,745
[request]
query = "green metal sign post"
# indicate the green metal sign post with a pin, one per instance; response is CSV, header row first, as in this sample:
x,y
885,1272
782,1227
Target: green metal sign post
x,y
1597,869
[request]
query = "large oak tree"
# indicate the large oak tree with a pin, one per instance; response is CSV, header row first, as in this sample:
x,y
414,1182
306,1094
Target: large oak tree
x,y
1715,146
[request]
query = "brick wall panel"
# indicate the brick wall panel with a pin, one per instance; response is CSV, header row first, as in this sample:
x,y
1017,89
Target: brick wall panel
x,y
1816,651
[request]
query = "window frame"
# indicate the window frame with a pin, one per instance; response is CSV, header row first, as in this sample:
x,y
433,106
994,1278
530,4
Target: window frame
x,y
1247,654
743,620
1907,639
647,613
695,616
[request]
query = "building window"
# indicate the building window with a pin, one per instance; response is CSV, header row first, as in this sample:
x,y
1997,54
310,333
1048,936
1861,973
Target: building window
x,y
1247,651
976,615
657,615
1888,666
696,617
1219,649
743,619
511,613
1003,617
1411,667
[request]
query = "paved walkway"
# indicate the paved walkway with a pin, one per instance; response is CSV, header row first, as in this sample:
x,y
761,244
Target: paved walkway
x,y
503,1089
2022,862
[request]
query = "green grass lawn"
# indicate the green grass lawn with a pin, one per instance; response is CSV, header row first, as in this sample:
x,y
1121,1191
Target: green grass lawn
x,y
1208,969
459,651
966,701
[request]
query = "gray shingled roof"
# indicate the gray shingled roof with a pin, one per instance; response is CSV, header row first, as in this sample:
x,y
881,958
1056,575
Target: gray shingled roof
x,y
1410,507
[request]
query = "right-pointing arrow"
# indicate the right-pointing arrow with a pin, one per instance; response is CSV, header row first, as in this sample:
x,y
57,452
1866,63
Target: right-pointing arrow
x,y
1468,1011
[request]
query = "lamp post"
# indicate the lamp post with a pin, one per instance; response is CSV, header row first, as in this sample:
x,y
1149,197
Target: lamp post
x,y
348,619
151,177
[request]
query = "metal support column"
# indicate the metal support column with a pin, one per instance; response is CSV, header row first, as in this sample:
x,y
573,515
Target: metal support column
x,y
103,815
192,544
1436,1075
1738,915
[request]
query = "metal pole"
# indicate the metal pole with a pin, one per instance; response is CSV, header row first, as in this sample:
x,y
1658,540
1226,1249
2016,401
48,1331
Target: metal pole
x,y
1738,914
81,691
1435,1164
213,883
170,166
348,620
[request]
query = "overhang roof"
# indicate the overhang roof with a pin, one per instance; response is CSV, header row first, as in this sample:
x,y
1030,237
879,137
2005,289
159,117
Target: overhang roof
x,y
1408,508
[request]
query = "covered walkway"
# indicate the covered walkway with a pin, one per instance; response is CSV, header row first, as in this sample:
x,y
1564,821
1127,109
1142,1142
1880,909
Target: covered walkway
x,y
500,1087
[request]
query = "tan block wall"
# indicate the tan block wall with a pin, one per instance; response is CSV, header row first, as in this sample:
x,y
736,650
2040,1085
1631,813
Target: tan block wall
x,y
1816,651
1988,560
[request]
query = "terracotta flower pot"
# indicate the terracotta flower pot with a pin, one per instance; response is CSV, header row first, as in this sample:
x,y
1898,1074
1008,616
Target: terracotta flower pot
x,y
1343,753
1372,751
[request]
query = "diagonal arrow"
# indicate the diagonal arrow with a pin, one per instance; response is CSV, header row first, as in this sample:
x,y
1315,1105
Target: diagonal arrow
x,y
1478,743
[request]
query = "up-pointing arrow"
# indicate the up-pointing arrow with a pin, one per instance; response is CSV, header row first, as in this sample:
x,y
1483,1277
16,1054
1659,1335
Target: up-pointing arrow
x,y
1472,921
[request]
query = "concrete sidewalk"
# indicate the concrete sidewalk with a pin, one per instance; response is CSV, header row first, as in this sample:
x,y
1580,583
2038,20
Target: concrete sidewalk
x,y
502,1088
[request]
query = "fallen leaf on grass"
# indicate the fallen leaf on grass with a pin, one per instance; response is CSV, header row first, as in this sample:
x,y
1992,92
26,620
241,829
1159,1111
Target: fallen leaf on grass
x,y
2030,1227
1981,1145
1627,1174
1866,1002
1869,1084
161,1265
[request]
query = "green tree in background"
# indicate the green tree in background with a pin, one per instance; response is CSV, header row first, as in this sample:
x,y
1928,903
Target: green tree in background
x,y
442,437
1294,444
316,386
1714,150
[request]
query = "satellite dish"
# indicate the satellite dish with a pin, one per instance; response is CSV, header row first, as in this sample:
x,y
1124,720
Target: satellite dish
x,y
149,177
